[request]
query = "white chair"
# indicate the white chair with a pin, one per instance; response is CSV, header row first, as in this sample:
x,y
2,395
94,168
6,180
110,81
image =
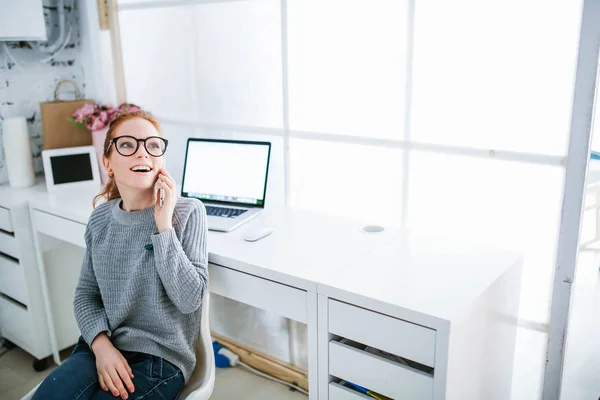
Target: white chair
x,y
202,381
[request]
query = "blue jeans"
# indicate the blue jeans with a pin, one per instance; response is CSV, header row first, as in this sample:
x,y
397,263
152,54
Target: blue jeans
x,y
77,378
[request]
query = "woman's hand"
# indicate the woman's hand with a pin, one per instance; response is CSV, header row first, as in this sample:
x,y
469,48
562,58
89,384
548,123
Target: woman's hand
x,y
164,215
114,372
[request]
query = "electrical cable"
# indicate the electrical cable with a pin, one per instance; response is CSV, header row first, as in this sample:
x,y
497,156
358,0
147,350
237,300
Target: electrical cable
x,y
52,47
234,360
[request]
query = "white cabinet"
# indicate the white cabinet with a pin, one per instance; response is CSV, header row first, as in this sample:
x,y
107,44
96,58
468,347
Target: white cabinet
x,y
22,20
392,335
22,316
16,322
12,279
377,373
6,220
9,244
390,356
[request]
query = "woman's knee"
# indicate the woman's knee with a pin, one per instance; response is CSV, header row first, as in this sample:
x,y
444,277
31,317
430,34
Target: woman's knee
x,y
72,379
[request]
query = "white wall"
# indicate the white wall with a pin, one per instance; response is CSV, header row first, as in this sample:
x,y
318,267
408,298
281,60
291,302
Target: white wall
x,y
25,84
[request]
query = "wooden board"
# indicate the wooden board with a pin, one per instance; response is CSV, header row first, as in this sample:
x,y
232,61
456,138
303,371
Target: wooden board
x,y
265,363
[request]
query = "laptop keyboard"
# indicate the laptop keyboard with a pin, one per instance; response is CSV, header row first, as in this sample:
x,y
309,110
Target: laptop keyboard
x,y
224,212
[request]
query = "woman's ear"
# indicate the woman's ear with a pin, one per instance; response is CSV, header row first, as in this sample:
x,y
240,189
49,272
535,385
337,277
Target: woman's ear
x,y
107,166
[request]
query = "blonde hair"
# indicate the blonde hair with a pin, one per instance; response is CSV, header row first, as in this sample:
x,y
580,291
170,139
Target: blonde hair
x,y
110,190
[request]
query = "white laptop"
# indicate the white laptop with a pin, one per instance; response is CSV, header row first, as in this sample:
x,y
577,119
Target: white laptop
x,y
229,177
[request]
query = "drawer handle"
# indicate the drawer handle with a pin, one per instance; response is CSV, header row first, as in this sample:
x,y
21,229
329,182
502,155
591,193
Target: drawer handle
x,y
9,258
13,301
403,361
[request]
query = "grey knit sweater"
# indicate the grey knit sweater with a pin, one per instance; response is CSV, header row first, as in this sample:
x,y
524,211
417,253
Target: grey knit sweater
x,y
141,287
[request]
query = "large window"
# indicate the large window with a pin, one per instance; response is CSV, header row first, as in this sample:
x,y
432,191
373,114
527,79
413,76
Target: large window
x,y
450,117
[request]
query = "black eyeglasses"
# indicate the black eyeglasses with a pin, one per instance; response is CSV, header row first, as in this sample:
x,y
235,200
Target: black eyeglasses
x,y
128,145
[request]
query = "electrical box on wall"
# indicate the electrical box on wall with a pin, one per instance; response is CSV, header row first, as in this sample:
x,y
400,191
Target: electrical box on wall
x,y
22,20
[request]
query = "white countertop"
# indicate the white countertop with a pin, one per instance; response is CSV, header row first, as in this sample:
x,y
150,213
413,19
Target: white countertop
x,y
10,197
302,248
438,277
294,254
393,271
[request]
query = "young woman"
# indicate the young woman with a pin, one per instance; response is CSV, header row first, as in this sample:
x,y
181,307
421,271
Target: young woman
x,y
138,299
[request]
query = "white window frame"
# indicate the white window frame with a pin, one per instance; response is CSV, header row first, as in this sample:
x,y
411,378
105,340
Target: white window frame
x,y
574,164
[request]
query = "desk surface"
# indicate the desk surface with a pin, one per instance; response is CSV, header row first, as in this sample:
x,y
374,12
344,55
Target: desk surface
x,y
393,271
440,278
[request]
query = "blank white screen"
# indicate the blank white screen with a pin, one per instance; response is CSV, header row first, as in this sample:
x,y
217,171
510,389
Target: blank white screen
x,y
226,169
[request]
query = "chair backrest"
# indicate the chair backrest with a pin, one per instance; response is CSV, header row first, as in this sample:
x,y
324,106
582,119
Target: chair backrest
x,y
202,381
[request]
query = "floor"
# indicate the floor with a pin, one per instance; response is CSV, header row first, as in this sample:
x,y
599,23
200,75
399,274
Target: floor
x,y
17,377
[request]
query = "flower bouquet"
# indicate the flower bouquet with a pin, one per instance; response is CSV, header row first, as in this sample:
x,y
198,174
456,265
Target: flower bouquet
x,y
96,117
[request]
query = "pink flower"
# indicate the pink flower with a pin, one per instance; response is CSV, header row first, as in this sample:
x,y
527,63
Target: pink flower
x,y
98,120
127,107
81,114
112,114
89,108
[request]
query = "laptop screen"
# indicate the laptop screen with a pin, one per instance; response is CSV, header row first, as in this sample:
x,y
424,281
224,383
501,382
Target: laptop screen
x,y
226,171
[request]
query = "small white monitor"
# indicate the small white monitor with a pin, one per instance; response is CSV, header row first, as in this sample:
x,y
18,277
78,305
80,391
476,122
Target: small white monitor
x,y
71,168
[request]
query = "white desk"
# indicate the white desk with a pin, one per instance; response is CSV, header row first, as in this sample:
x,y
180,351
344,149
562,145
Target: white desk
x,y
443,304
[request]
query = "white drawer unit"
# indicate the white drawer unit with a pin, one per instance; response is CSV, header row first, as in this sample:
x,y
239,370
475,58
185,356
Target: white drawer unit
x,y
339,392
12,279
9,245
6,220
392,335
378,374
17,325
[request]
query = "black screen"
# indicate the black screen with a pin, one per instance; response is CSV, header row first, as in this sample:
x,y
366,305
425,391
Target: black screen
x,y
71,168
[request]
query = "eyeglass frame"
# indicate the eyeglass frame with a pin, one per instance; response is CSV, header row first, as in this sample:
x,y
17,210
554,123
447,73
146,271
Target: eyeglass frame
x,y
137,145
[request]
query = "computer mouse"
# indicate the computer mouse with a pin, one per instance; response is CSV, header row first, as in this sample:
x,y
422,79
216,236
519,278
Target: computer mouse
x,y
258,234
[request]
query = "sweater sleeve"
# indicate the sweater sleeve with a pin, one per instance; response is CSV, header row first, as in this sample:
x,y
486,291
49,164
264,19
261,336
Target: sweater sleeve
x,y
183,264
89,308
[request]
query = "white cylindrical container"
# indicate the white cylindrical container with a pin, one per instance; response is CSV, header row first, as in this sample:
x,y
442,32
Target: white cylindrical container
x,y
17,151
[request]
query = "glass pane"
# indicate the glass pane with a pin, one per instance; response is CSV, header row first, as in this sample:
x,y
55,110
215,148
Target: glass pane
x,y
177,136
528,367
507,205
582,355
347,66
239,63
588,226
355,181
595,143
495,74
158,65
